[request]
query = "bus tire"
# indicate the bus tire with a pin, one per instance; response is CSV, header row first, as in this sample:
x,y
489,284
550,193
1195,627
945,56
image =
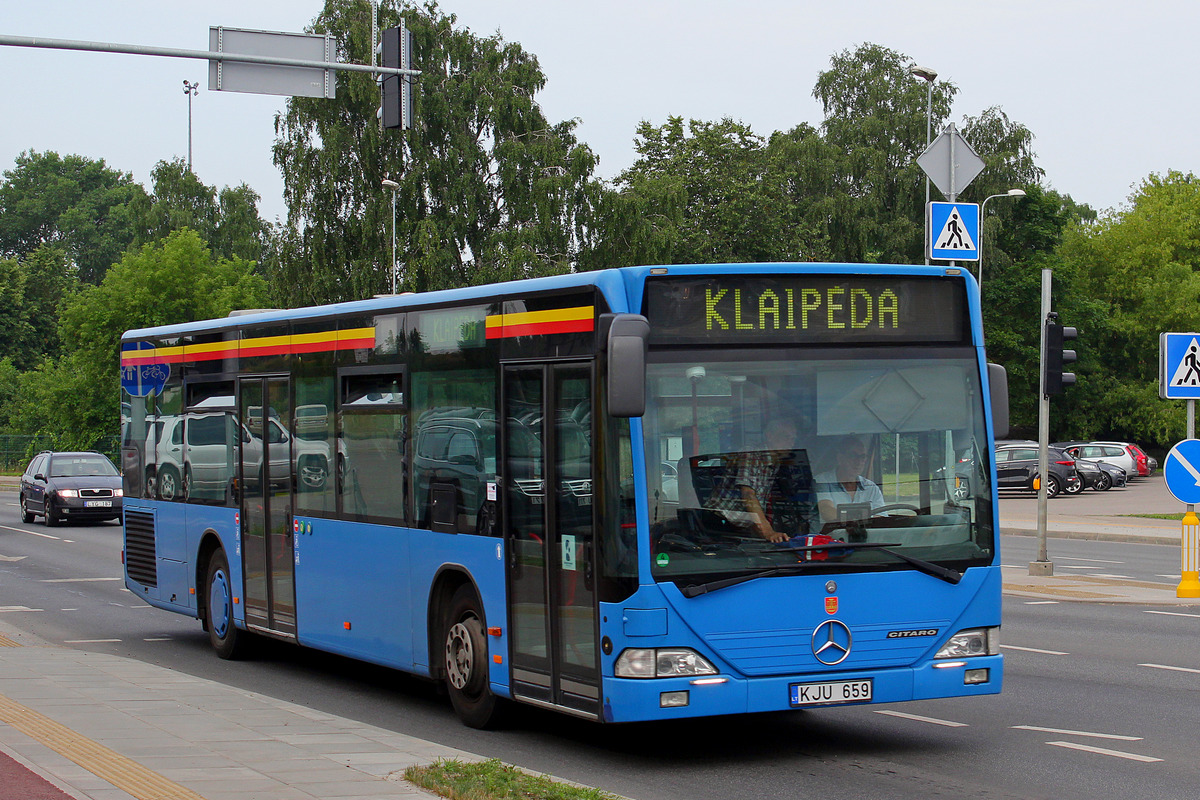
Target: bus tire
x,y
223,634
465,661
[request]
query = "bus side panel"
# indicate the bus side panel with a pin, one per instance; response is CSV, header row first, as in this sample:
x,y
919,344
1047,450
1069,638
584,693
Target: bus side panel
x,y
353,588
223,522
481,558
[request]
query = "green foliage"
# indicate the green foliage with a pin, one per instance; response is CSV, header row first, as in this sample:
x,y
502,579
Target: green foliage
x,y
714,193
1139,269
227,221
489,189
73,399
77,204
493,780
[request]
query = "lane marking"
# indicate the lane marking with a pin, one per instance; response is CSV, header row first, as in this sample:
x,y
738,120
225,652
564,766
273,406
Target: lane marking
x,y
1078,733
1033,650
75,580
1104,752
12,558
31,533
1174,614
1172,577
1173,669
18,608
1107,575
1097,560
1042,603
918,718
89,641
157,639
122,772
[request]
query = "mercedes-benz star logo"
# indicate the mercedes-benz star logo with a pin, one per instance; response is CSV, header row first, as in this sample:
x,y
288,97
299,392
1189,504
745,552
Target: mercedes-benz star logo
x,y
831,642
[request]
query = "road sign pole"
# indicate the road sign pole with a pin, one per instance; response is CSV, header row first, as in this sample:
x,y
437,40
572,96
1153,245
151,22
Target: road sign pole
x,y
1189,538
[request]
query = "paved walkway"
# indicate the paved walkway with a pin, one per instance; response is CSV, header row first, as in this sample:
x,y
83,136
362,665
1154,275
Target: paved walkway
x,y
91,726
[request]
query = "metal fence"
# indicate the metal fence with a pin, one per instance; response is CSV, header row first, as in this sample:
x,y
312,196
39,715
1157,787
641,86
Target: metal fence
x,y
15,451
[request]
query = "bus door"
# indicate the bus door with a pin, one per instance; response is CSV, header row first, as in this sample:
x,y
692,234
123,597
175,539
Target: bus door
x,y
548,526
264,408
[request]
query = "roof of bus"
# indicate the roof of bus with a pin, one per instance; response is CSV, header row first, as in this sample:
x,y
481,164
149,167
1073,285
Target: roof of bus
x,y
621,286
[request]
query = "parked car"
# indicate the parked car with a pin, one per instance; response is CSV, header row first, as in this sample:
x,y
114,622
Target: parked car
x,y
69,486
1112,475
1017,468
1121,454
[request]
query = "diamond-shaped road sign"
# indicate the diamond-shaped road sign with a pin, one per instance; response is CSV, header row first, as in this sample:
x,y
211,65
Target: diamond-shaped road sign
x,y
950,162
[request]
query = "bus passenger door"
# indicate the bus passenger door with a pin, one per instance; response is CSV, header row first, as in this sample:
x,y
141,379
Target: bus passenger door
x,y
547,483
264,410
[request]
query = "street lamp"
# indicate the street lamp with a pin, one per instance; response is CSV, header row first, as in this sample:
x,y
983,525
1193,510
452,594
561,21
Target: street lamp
x,y
190,89
1014,193
929,76
395,187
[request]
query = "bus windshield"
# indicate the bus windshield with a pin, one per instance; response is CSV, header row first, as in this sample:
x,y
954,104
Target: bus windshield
x,y
754,458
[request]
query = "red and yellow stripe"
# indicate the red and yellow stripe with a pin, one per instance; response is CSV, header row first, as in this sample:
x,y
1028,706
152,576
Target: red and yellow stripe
x,y
539,323
321,342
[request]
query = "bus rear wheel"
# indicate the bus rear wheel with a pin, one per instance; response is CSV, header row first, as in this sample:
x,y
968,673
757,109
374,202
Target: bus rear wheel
x,y
223,634
465,661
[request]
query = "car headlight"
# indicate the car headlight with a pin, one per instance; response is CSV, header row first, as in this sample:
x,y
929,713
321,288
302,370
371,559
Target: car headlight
x,y
971,642
661,662
118,492
68,493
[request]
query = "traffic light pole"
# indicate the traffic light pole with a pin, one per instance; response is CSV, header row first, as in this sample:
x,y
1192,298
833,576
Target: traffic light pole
x,y
1043,565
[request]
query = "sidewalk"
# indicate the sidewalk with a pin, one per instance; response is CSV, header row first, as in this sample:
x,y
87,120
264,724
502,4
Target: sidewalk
x,y
101,727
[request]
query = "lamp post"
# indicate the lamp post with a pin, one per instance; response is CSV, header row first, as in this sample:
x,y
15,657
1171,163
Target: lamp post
x,y
395,187
929,76
191,90
1014,193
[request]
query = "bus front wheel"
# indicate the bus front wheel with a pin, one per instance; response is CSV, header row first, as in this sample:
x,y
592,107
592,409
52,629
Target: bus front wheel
x,y
465,661
223,634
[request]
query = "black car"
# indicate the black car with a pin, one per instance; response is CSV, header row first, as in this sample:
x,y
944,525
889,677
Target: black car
x,y
70,486
1017,468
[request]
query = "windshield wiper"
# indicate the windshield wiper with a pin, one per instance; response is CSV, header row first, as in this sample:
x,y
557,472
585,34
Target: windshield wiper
x,y
928,567
704,588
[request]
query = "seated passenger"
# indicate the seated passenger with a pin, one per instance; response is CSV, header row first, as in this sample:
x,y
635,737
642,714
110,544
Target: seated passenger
x,y
775,487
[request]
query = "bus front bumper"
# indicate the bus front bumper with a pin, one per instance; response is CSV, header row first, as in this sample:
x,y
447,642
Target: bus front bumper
x,y
635,700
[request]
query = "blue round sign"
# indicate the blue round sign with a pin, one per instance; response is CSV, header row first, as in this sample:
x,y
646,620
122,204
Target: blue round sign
x,y
1182,471
139,380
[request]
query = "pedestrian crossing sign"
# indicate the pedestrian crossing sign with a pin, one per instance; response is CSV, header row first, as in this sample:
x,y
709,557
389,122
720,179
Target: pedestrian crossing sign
x,y
1179,366
954,231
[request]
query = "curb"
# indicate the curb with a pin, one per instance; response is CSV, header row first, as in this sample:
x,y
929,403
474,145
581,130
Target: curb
x,y
1096,536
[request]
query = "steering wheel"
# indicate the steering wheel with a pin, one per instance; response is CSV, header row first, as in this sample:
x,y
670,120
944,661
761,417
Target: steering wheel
x,y
896,507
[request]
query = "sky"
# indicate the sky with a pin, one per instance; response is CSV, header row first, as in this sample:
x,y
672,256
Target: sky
x,y
1101,84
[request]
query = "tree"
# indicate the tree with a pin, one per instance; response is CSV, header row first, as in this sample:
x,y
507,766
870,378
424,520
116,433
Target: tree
x,y
227,221
72,400
77,204
712,193
874,130
1140,265
489,188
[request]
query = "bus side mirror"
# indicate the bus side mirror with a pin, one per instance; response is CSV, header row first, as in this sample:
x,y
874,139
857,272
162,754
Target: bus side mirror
x,y
625,351
998,381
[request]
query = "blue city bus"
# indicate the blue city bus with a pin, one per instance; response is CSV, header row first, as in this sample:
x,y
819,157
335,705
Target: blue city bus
x,y
633,494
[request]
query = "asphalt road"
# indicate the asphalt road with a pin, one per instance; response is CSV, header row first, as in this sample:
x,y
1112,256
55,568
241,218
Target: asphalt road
x,y
1099,701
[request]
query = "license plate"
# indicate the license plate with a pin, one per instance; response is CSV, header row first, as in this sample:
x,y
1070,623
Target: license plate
x,y
815,694
97,503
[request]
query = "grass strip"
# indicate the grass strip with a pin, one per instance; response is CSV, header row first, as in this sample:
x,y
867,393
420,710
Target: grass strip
x,y
493,780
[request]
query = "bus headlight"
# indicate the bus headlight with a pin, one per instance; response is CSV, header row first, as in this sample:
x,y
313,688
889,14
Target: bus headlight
x,y
661,662
971,642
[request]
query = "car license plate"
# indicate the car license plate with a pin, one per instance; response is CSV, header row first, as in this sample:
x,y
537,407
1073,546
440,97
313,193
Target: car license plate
x,y
815,694
97,503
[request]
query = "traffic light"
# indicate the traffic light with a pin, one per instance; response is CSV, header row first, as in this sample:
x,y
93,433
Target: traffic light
x,y
1054,377
396,51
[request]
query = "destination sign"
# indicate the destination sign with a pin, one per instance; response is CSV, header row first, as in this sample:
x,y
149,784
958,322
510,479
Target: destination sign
x,y
806,309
